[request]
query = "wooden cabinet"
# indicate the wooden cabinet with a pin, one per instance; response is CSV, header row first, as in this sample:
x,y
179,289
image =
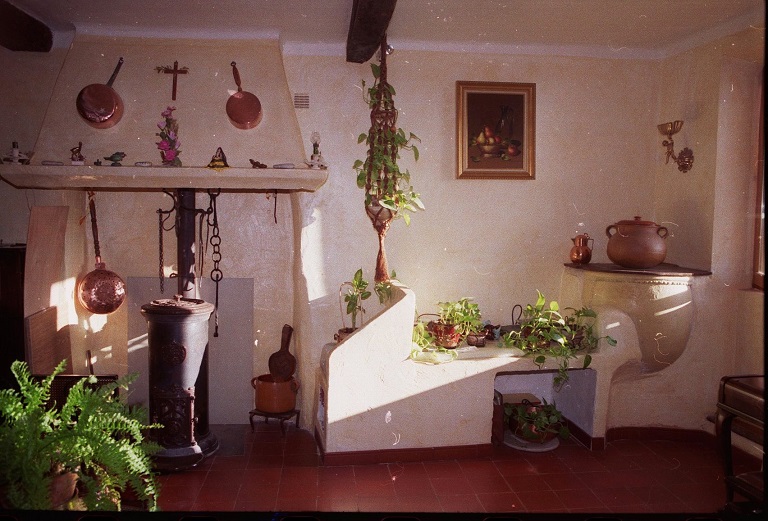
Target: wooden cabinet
x,y
11,309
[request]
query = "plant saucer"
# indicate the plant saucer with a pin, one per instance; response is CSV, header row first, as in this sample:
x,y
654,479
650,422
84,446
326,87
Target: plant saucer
x,y
516,442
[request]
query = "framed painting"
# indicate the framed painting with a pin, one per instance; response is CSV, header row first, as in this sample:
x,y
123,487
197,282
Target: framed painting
x,y
495,130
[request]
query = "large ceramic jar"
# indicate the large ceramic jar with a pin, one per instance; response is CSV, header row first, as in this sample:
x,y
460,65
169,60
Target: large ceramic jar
x,y
636,243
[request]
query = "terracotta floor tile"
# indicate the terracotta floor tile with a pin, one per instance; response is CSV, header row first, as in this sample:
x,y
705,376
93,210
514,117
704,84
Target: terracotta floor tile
x,y
489,484
617,496
418,503
408,471
217,505
344,503
229,462
514,467
218,493
227,478
522,484
376,503
580,499
296,503
443,469
459,484
265,460
460,503
258,505
472,468
564,481
500,502
541,501
261,477
286,474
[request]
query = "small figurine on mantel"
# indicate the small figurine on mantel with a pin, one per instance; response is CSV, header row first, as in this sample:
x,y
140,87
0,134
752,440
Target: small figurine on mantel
x,y
316,160
116,158
16,156
257,164
77,156
219,160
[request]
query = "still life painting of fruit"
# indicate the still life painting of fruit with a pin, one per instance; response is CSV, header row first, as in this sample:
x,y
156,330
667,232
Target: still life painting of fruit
x,y
488,144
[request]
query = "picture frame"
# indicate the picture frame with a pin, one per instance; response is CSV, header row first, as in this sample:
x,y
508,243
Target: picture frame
x,y
487,111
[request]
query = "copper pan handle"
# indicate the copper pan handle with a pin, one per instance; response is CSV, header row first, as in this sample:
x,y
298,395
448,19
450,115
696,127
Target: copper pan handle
x,y
236,74
94,228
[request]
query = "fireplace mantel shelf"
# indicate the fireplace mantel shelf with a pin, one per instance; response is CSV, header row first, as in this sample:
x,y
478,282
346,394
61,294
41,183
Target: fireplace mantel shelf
x,y
136,178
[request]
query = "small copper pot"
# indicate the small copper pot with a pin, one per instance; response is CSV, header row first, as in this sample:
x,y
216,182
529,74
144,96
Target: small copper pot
x,y
275,395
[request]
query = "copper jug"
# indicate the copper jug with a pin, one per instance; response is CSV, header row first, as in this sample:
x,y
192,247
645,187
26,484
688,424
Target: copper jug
x,y
581,253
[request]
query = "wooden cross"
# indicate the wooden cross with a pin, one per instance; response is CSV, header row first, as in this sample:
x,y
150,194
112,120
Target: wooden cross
x,y
175,71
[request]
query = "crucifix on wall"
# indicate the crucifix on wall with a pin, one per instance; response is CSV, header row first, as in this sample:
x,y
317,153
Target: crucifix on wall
x,y
175,71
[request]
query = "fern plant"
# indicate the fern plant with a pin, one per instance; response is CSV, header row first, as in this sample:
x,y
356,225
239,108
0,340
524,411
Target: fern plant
x,y
94,434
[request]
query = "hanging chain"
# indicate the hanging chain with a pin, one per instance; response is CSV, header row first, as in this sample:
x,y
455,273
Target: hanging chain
x,y
215,241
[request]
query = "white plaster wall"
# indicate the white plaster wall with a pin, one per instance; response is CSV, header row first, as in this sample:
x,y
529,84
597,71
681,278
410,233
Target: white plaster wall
x,y
599,160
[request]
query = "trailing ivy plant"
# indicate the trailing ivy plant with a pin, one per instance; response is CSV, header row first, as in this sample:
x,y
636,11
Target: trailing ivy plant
x,y
462,313
534,422
379,174
546,332
424,348
93,434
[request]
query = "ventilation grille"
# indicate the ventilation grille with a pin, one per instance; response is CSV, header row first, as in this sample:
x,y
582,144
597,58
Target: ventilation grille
x,y
301,100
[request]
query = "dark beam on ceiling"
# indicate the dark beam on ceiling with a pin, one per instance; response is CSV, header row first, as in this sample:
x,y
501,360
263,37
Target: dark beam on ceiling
x,y
370,19
21,32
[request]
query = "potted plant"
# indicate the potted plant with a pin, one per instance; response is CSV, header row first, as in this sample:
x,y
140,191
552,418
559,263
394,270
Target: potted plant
x,y
357,292
93,439
388,190
425,349
537,423
456,319
544,331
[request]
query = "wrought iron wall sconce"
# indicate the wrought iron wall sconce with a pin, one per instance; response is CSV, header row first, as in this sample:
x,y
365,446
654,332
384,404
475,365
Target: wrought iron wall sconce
x,y
684,160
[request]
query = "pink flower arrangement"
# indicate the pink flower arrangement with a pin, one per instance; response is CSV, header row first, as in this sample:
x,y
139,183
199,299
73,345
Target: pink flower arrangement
x,y
169,139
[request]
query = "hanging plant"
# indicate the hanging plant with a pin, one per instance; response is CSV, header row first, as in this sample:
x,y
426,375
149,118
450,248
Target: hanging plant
x,y
388,190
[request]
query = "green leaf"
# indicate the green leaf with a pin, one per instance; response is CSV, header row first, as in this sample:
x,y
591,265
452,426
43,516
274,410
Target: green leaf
x,y
587,361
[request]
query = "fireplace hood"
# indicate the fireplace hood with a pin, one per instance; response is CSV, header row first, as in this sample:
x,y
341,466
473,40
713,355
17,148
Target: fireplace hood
x,y
201,112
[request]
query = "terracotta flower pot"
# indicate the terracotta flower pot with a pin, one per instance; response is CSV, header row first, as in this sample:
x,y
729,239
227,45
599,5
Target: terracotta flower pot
x,y
62,488
445,334
275,395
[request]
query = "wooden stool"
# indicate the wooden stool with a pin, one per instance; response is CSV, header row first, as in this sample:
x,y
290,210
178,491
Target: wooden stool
x,y
741,409
281,416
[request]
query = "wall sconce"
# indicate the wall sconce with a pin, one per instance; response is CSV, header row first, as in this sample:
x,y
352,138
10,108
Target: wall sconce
x,y
685,159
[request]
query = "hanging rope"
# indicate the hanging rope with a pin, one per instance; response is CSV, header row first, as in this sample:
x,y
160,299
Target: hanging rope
x,y
381,145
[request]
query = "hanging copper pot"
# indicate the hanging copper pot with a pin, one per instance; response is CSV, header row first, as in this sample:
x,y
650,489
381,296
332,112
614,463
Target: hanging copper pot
x,y
243,108
101,291
100,105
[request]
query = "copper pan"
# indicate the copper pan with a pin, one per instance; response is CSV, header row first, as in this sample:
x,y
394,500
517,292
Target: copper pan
x,y
101,291
243,108
100,105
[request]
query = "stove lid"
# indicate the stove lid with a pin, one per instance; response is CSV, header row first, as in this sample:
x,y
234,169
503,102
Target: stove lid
x,y
178,305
